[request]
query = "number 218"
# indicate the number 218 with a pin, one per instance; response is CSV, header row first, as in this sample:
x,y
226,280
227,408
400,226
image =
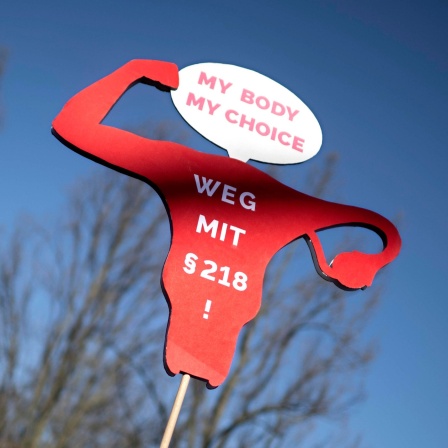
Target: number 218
x,y
239,279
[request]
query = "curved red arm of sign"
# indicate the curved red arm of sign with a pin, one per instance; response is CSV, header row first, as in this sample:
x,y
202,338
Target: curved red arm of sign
x,y
356,270
78,125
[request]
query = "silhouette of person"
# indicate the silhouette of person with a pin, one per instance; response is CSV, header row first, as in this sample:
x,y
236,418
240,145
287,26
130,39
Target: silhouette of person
x,y
227,220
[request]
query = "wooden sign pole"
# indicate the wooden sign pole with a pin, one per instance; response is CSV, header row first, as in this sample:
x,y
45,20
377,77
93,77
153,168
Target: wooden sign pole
x,y
175,411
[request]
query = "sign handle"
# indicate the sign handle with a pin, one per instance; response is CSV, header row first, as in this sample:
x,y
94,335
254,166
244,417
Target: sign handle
x,y
175,411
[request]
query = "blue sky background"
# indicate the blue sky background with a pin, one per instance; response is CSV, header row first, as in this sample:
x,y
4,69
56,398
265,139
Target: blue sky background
x,y
375,75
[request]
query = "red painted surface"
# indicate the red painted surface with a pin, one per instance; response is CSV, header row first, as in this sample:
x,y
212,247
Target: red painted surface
x,y
228,220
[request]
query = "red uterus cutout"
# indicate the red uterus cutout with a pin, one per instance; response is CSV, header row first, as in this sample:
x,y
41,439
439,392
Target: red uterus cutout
x,y
228,219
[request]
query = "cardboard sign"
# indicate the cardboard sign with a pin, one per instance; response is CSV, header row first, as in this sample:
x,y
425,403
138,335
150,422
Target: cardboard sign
x,y
228,220
246,113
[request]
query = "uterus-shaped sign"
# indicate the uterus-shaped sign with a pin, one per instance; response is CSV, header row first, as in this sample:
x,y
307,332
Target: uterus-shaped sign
x,y
228,218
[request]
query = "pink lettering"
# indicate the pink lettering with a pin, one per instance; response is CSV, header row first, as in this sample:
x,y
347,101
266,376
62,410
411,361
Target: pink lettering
x,y
297,144
250,122
229,118
264,130
291,113
247,96
191,100
262,102
209,81
278,109
259,128
224,87
280,138
211,107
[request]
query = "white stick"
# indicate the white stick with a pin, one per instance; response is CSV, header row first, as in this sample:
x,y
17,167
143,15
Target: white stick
x,y
175,411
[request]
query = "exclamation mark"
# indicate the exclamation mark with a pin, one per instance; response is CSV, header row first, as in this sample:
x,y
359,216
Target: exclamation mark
x,y
208,305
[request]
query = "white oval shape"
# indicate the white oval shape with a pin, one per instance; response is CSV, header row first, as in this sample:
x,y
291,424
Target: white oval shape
x,y
247,113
